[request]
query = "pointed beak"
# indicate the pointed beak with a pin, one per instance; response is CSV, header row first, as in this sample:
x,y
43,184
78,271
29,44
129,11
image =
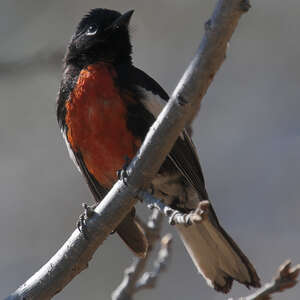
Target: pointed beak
x,y
124,19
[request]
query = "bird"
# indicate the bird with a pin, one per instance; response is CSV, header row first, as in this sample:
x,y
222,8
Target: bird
x,y
105,107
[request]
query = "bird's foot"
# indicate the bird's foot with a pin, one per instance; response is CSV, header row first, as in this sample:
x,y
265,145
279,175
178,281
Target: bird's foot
x,y
123,174
88,212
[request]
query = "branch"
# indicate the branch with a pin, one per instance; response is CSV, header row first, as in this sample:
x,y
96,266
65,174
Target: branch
x,y
149,279
175,216
75,254
286,278
134,278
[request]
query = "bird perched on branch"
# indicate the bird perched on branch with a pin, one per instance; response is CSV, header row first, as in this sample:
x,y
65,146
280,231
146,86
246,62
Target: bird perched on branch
x,y
104,109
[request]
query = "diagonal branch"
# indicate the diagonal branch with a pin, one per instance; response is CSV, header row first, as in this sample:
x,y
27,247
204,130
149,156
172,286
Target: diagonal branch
x,y
75,254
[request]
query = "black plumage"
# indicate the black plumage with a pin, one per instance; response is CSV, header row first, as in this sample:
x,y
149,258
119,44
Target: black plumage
x,y
102,36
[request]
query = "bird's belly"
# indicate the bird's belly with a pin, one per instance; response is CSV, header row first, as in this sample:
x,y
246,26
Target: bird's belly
x,y
96,122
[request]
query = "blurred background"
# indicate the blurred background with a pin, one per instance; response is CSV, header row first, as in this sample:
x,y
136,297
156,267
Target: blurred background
x,y
247,133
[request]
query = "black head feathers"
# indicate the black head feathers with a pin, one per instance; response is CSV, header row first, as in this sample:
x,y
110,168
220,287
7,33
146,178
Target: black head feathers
x,y
98,15
101,35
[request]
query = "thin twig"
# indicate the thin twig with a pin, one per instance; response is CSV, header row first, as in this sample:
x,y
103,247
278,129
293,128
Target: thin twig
x,y
134,275
149,279
286,278
176,217
75,254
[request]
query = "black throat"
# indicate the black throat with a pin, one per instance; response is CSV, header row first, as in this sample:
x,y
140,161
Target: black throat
x,y
82,59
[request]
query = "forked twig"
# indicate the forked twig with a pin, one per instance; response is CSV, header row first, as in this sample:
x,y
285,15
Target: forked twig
x,y
75,254
285,278
135,277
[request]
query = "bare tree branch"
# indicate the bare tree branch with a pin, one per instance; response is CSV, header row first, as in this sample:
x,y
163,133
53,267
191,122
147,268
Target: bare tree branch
x,y
149,279
134,276
74,255
286,278
175,216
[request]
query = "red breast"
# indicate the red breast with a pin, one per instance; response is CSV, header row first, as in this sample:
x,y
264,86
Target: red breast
x,y
96,117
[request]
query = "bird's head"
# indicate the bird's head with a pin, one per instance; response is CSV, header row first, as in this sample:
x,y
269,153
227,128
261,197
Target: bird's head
x,y
101,35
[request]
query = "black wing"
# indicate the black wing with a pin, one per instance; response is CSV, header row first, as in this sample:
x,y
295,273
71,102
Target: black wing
x,y
129,229
97,190
183,154
184,157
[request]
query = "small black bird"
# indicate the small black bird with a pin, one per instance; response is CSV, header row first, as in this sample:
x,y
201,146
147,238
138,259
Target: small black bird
x,y
104,109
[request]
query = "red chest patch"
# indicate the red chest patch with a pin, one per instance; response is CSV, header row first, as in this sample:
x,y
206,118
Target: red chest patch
x,y
96,121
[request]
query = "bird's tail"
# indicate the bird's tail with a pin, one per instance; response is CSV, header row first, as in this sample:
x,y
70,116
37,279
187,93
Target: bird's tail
x,y
133,234
216,256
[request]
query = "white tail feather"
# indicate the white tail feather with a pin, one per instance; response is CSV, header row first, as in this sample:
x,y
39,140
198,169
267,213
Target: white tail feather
x,y
216,256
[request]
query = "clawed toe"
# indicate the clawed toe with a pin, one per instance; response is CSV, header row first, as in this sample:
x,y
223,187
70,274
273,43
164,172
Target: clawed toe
x,y
123,174
82,221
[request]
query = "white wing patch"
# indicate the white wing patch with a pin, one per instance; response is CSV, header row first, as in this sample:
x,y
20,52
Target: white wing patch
x,y
71,153
152,102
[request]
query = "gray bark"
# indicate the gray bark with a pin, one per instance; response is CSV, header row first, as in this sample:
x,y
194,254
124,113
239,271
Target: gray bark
x,y
75,254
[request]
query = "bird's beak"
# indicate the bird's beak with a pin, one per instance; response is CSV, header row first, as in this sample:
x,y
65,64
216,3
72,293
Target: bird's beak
x,y
124,19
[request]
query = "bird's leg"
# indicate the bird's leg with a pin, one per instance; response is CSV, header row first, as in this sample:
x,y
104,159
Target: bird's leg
x,y
123,174
88,212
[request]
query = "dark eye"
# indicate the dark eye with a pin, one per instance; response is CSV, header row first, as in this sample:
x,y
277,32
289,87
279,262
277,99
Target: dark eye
x,y
92,29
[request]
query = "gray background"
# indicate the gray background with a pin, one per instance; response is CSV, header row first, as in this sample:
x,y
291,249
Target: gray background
x,y
247,133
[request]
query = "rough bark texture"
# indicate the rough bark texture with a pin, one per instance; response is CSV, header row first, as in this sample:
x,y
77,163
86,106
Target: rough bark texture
x,y
75,254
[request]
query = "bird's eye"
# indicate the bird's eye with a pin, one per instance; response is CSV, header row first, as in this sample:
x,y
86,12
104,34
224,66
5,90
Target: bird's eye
x,y
92,29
